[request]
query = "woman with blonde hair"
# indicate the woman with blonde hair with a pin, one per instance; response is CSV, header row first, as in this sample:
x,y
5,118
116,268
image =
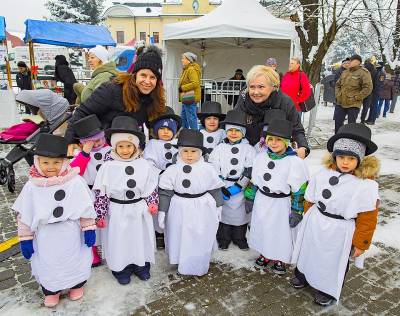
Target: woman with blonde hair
x,y
139,95
263,94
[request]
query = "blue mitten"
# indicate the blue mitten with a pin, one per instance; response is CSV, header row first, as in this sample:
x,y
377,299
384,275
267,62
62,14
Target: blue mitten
x,y
27,248
90,238
234,189
226,195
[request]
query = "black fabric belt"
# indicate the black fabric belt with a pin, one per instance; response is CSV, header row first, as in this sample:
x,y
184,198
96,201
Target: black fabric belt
x,y
275,195
125,201
90,186
329,214
189,196
232,179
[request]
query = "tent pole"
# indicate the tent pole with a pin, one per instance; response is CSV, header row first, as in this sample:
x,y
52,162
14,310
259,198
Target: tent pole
x,y
8,66
32,61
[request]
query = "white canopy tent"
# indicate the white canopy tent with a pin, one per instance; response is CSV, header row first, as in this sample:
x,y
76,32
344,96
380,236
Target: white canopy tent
x,y
237,34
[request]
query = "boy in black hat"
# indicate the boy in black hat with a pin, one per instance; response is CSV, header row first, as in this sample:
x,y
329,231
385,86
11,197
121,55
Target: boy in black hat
x,y
210,118
341,221
233,160
190,193
280,177
54,208
91,157
122,187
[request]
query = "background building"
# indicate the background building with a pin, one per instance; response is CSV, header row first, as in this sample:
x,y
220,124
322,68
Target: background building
x,y
129,21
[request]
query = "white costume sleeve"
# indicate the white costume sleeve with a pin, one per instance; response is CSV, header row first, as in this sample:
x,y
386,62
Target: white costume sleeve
x,y
23,205
298,174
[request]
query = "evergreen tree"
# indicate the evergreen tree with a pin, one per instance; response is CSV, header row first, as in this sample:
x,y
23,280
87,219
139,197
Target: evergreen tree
x,y
77,11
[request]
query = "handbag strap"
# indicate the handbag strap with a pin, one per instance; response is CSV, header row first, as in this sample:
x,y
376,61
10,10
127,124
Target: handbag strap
x,y
300,88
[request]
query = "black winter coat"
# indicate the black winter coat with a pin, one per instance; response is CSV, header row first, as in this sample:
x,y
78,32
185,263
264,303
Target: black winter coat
x,y
107,103
255,116
24,81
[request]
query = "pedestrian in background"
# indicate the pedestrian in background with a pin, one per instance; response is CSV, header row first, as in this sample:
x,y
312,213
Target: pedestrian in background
x,y
24,80
64,74
385,96
396,89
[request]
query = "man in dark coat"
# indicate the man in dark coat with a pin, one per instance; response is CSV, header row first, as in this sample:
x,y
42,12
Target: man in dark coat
x,y
64,74
372,98
24,81
380,79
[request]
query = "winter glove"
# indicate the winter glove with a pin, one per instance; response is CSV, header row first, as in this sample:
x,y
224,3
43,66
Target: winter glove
x,y
161,220
248,205
153,208
226,195
90,237
234,189
101,223
219,213
294,219
27,248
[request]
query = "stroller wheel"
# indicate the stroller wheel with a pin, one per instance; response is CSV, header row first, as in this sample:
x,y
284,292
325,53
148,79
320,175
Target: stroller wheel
x,y
3,174
11,180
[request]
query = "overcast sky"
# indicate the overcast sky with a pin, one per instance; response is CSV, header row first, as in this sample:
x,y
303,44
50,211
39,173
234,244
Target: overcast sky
x,y
17,11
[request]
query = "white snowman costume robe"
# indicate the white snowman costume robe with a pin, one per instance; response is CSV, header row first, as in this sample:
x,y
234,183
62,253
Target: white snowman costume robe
x,y
191,223
270,233
128,237
94,164
61,259
160,152
212,139
230,160
323,243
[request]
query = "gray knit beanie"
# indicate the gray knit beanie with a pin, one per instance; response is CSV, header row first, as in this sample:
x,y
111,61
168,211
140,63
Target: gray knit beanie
x,y
190,56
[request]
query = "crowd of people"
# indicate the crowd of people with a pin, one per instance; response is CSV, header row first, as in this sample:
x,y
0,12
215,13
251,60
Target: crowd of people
x,y
242,179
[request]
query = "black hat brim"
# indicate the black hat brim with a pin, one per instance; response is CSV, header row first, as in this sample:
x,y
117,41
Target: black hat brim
x,y
278,135
175,117
223,124
203,149
371,146
202,116
92,133
46,153
110,131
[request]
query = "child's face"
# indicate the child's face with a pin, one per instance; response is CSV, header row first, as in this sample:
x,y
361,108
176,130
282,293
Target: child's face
x,y
234,135
211,123
190,155
276,144
125,149
346,164
97,143
164,133
50,167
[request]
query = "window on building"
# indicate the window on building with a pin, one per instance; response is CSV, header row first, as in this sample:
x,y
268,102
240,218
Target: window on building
x,y
120,37
156,37
142,36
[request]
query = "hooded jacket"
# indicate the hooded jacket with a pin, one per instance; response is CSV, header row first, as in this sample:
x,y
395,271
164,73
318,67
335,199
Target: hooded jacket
x,y
190,80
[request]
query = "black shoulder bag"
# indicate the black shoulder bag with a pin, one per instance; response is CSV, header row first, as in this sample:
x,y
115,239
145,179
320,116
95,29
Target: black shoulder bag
x,y
308,104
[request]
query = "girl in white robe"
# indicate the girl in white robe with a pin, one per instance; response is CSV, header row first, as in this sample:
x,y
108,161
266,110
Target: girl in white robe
x,y
343,216
56,222
278,174
121,188
190,194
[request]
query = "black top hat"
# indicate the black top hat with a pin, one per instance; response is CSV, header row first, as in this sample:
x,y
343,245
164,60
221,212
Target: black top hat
x,y
169,114
235,117
191,138
125,124
211,108
53,146
273,114
87,126
280,128
356,131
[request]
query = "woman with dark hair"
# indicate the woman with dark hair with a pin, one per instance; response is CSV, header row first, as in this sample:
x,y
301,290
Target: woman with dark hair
x,y
64,74
139,95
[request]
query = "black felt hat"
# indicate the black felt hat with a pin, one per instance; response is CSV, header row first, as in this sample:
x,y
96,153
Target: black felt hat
x,y
87,126
169,114
273,114
125,124
53,146
280,128
235,117
191,138
210,108
356,131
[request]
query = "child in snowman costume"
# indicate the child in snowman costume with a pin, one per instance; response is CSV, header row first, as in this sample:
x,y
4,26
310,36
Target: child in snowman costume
x,y
233,160
160,152
190,192
56,221
280,178
90,158
121,188
342,219
210,118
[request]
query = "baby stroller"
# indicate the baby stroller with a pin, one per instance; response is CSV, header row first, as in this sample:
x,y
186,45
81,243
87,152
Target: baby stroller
x,y
54,110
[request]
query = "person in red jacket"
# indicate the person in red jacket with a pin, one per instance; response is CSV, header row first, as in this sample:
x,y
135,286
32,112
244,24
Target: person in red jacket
x,y
295,84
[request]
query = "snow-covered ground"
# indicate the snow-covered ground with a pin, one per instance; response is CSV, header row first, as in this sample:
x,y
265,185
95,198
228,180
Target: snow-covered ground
x,y
104,296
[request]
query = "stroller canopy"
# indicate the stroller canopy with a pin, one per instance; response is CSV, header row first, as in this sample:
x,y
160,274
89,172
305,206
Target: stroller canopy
x,y
51,104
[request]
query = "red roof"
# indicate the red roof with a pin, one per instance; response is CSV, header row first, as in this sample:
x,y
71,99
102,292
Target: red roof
x,y
15,40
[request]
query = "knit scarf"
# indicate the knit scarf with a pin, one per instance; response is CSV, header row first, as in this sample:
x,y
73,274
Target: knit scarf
x,y
258,109
38,179
274,156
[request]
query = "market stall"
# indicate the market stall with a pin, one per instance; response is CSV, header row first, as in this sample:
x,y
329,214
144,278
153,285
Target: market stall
x,y
3,41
